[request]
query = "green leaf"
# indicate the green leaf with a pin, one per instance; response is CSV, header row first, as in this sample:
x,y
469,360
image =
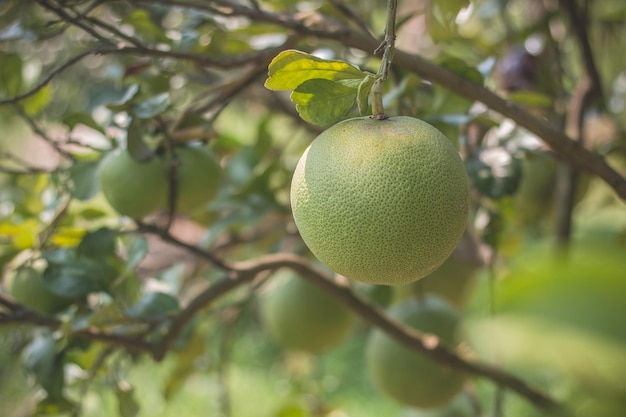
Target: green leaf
x,y
37,102
530,98
291,68
144,26
323,102
97,245
495,172
152,107
137,250
460,67
154,304
73,119
72,276
123,98
127,405
186,362
83,179
41,358
137,147
10,74
363,93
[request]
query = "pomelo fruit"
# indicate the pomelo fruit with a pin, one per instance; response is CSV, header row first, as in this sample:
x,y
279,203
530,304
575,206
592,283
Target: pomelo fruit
x,y
381,201
460,406
26,285
300,316
134,189
405,375
198,178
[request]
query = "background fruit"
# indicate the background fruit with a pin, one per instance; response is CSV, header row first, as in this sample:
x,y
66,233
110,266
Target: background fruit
x,y
300,316
460,406
455,279
198,178
27,286
381,201
405,375
135,189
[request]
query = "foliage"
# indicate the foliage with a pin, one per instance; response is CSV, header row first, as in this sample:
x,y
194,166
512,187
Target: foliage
x,y
531,93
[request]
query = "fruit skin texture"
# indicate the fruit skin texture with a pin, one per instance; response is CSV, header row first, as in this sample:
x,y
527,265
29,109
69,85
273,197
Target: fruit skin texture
x,y
405,375
381,201
300,316
27,286
134,189
198,178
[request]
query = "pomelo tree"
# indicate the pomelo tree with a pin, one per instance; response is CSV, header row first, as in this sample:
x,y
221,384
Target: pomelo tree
x,y
160,160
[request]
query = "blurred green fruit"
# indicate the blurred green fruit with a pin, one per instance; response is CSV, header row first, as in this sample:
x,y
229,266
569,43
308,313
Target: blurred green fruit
x,y
455,279
26,285
534,200
198,178
460,406
135,189
405,375
300,316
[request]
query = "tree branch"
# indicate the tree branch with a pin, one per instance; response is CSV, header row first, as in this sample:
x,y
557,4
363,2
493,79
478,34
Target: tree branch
x,y
578,24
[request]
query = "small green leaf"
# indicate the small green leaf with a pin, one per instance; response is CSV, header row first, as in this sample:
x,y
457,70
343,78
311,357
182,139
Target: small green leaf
x,y
154,304
83,179
10,74
460,67
137,250
36,103
41,358
495,172
97,245
127,405
141,21
137,148
123,98
291,68
152,107
323,102
72,276
530,98
363,93
73,119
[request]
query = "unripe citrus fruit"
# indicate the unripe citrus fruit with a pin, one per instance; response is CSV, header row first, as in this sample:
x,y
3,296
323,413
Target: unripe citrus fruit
x,y
460,406
300,316
26,285
455,279
135,189
198,178
381,201
405,375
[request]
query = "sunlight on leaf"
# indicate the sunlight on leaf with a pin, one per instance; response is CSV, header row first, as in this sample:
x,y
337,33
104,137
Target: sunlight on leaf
x,y
291,68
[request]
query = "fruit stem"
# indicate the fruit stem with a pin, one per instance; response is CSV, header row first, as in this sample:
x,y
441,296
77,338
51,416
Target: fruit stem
x,y
387,47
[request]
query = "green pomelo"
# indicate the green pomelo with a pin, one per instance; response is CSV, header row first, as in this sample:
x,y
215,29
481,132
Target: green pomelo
x,y
135,189
381,201
27,286
405,375
198,178
300,316
456,278
460,406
